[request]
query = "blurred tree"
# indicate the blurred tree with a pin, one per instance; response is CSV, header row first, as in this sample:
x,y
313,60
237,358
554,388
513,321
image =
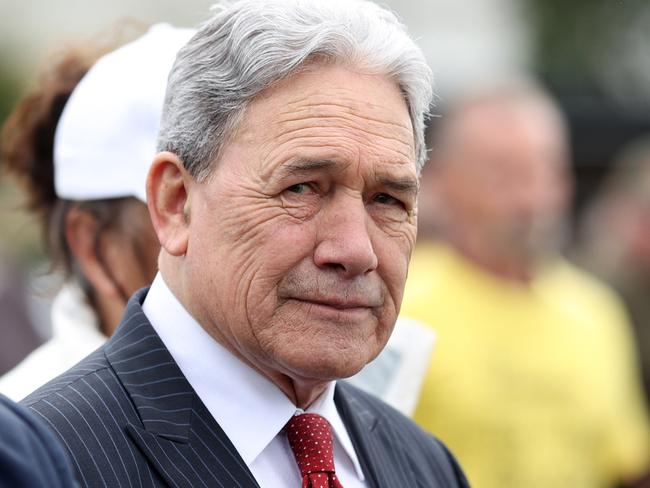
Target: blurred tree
x,y
9,90
19,229
592,48
595,57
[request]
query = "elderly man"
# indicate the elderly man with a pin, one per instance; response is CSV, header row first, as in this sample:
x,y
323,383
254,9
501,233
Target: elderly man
x,y
284,201
532,383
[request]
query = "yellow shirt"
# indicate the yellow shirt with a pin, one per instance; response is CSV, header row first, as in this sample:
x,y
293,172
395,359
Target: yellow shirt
x,y
530,386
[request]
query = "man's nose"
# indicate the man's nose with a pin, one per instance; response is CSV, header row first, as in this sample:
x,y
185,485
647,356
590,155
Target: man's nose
x,y
344,241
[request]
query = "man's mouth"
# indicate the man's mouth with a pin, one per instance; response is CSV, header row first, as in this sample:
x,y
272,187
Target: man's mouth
x,y
338,303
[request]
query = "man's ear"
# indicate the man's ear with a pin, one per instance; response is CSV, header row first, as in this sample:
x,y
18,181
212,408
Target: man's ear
x,y
167,199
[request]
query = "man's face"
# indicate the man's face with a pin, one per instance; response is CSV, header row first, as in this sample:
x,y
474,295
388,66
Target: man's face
x,y
300,239
509,182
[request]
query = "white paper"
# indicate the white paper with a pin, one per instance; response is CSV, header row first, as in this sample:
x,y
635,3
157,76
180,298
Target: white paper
x,y
396,375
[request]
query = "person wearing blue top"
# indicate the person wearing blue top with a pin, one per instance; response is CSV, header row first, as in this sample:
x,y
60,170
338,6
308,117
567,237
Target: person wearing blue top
x,y
30,455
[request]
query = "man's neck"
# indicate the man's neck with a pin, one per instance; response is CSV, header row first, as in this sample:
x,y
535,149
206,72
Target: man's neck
x,y
501,266
302,394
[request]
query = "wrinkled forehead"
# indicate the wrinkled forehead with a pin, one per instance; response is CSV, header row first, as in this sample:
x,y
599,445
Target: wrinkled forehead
x,y
331,100
316,74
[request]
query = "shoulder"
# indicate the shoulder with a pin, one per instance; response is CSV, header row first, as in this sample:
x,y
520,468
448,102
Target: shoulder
x,y
29,453
85,396
87,408
424,453
397,423
564,272
582,294
91,391
85,370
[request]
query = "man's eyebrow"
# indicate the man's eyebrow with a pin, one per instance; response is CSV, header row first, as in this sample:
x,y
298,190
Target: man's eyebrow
x,y
406,184
305,166
401,184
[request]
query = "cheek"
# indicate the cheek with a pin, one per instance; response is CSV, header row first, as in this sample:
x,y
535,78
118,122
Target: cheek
x,y
278,248
261,259
394,275
394,254
491,211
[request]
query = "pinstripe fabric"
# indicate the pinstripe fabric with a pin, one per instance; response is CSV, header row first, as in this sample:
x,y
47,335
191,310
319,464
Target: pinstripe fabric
x,y
392,450
129,417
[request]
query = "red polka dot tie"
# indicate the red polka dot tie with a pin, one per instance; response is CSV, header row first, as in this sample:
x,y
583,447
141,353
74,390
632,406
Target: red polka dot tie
x,y
310,438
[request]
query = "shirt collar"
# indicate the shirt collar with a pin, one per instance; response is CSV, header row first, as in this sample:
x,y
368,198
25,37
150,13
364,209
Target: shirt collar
x,y
197,353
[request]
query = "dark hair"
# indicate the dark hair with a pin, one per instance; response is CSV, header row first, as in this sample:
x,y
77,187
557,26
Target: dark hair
x,y
27,151
27,138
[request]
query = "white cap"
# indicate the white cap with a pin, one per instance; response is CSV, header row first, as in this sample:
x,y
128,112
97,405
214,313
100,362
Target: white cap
x,y
106,137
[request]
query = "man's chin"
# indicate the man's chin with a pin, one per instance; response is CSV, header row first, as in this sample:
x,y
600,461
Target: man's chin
x,y
321,367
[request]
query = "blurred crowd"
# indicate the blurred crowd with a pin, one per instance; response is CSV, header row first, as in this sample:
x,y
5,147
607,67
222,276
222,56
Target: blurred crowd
x,y
540,373
535,378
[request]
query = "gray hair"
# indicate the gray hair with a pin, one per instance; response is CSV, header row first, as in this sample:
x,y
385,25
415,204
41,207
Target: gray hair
x,y
248,46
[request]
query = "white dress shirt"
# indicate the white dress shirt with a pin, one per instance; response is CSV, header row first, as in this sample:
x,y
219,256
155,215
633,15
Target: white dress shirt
x,y
250,409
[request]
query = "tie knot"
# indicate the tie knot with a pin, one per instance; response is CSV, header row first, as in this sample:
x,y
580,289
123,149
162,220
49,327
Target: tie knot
x,y
310,438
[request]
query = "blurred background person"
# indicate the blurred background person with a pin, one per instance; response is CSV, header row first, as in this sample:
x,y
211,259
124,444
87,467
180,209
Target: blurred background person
x,y
26,150
533,380
30,455
82,150
614,239
18,331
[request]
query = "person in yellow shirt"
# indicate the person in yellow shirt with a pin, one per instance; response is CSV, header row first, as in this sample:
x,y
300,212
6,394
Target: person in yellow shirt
x,y
533,382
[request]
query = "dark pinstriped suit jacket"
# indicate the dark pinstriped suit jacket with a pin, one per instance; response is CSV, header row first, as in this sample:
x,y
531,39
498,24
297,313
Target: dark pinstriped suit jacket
x,y
128,417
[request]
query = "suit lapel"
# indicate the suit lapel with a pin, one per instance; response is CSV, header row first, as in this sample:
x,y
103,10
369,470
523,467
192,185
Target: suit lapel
x,y
384,463
178,435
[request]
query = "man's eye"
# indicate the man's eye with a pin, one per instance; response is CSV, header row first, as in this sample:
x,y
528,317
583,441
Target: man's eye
x,y
386,199
300,188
